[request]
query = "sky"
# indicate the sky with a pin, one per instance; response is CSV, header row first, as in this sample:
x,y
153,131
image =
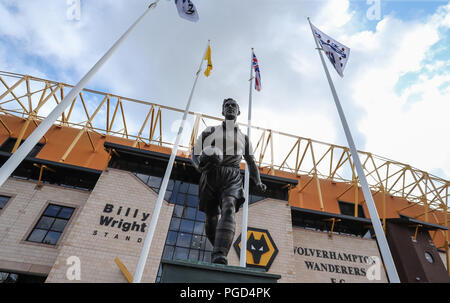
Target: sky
x,y
395,91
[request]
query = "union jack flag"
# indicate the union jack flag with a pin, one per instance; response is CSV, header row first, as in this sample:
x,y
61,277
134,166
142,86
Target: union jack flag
x,y
257,75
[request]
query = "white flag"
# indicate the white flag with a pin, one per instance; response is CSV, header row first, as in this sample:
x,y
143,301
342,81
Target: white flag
x,y
187,10
337,52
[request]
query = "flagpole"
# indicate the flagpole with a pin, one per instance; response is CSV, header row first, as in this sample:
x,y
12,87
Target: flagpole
x,y
162,191
380,236
16,158
243,254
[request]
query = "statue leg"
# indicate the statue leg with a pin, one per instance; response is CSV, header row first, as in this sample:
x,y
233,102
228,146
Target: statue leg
x,y
210,227
224,232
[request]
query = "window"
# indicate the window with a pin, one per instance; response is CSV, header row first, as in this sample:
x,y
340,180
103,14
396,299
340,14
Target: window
x,y
51,225
186,239
429,257
3,201
8,277
8,146
349,209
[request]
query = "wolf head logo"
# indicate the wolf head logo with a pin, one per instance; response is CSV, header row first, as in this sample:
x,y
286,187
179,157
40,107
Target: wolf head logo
x,y
257,247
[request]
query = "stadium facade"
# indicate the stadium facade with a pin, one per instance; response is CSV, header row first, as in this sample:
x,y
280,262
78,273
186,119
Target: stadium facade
x,y
78,207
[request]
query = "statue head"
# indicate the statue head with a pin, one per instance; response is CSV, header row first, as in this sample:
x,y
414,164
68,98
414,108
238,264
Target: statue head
x,y
230,109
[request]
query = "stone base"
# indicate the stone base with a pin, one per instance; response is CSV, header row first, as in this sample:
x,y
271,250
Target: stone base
x,y
202,272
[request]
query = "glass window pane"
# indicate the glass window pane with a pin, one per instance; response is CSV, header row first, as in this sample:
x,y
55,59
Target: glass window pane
x,y
173,197
178,211
186,226
52,210
3,201
183,187
192,200
184,240
174,224
180,199
144,178
52,238
168,252
193,254
171,238
201,216
154,181
199,227
170,184
167,195
66,212
181,253
207,256
176,185
189,213
193,189
37,235
196,242
45,222
59,225
206,245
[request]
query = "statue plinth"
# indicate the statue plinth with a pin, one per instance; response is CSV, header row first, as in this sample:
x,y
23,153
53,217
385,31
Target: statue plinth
x,y
181,271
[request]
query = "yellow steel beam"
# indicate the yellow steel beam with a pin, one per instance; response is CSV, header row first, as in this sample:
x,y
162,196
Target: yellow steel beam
x,y
11,90
344,192
124,270
356,196
383,200
6,127
123,118
21,134
298,164
72,145
290,152
143,126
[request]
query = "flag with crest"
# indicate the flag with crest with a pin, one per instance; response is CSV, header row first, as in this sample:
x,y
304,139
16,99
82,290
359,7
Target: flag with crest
x,y
336,52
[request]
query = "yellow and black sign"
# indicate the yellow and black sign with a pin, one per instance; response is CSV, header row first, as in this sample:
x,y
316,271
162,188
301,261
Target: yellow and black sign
x,y
261,249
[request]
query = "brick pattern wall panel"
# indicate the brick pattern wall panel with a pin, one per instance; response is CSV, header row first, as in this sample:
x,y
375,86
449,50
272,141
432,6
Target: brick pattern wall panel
x,y
19,217
274,216
96,240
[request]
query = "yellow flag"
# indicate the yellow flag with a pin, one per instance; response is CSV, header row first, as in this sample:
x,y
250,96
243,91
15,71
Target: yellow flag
x,y
208,57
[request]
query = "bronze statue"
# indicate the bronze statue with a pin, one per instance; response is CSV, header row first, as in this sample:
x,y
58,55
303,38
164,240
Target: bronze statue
x,y
217,155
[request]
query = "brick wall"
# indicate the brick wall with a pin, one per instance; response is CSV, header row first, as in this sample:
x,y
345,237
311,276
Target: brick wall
x,y
19,217
274,216
98,245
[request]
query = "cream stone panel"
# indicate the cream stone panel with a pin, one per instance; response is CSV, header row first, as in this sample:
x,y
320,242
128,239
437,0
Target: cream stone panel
x,y
274,216
98,245
320,258
20,216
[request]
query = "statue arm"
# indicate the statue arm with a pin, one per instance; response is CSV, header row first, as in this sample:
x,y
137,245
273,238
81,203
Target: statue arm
x,y
197,149
252,167
195,153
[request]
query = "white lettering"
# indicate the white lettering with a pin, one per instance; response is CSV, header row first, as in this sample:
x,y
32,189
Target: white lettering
x,y
74,271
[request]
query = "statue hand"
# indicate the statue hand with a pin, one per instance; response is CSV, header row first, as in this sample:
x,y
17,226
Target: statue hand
x,y
261,186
